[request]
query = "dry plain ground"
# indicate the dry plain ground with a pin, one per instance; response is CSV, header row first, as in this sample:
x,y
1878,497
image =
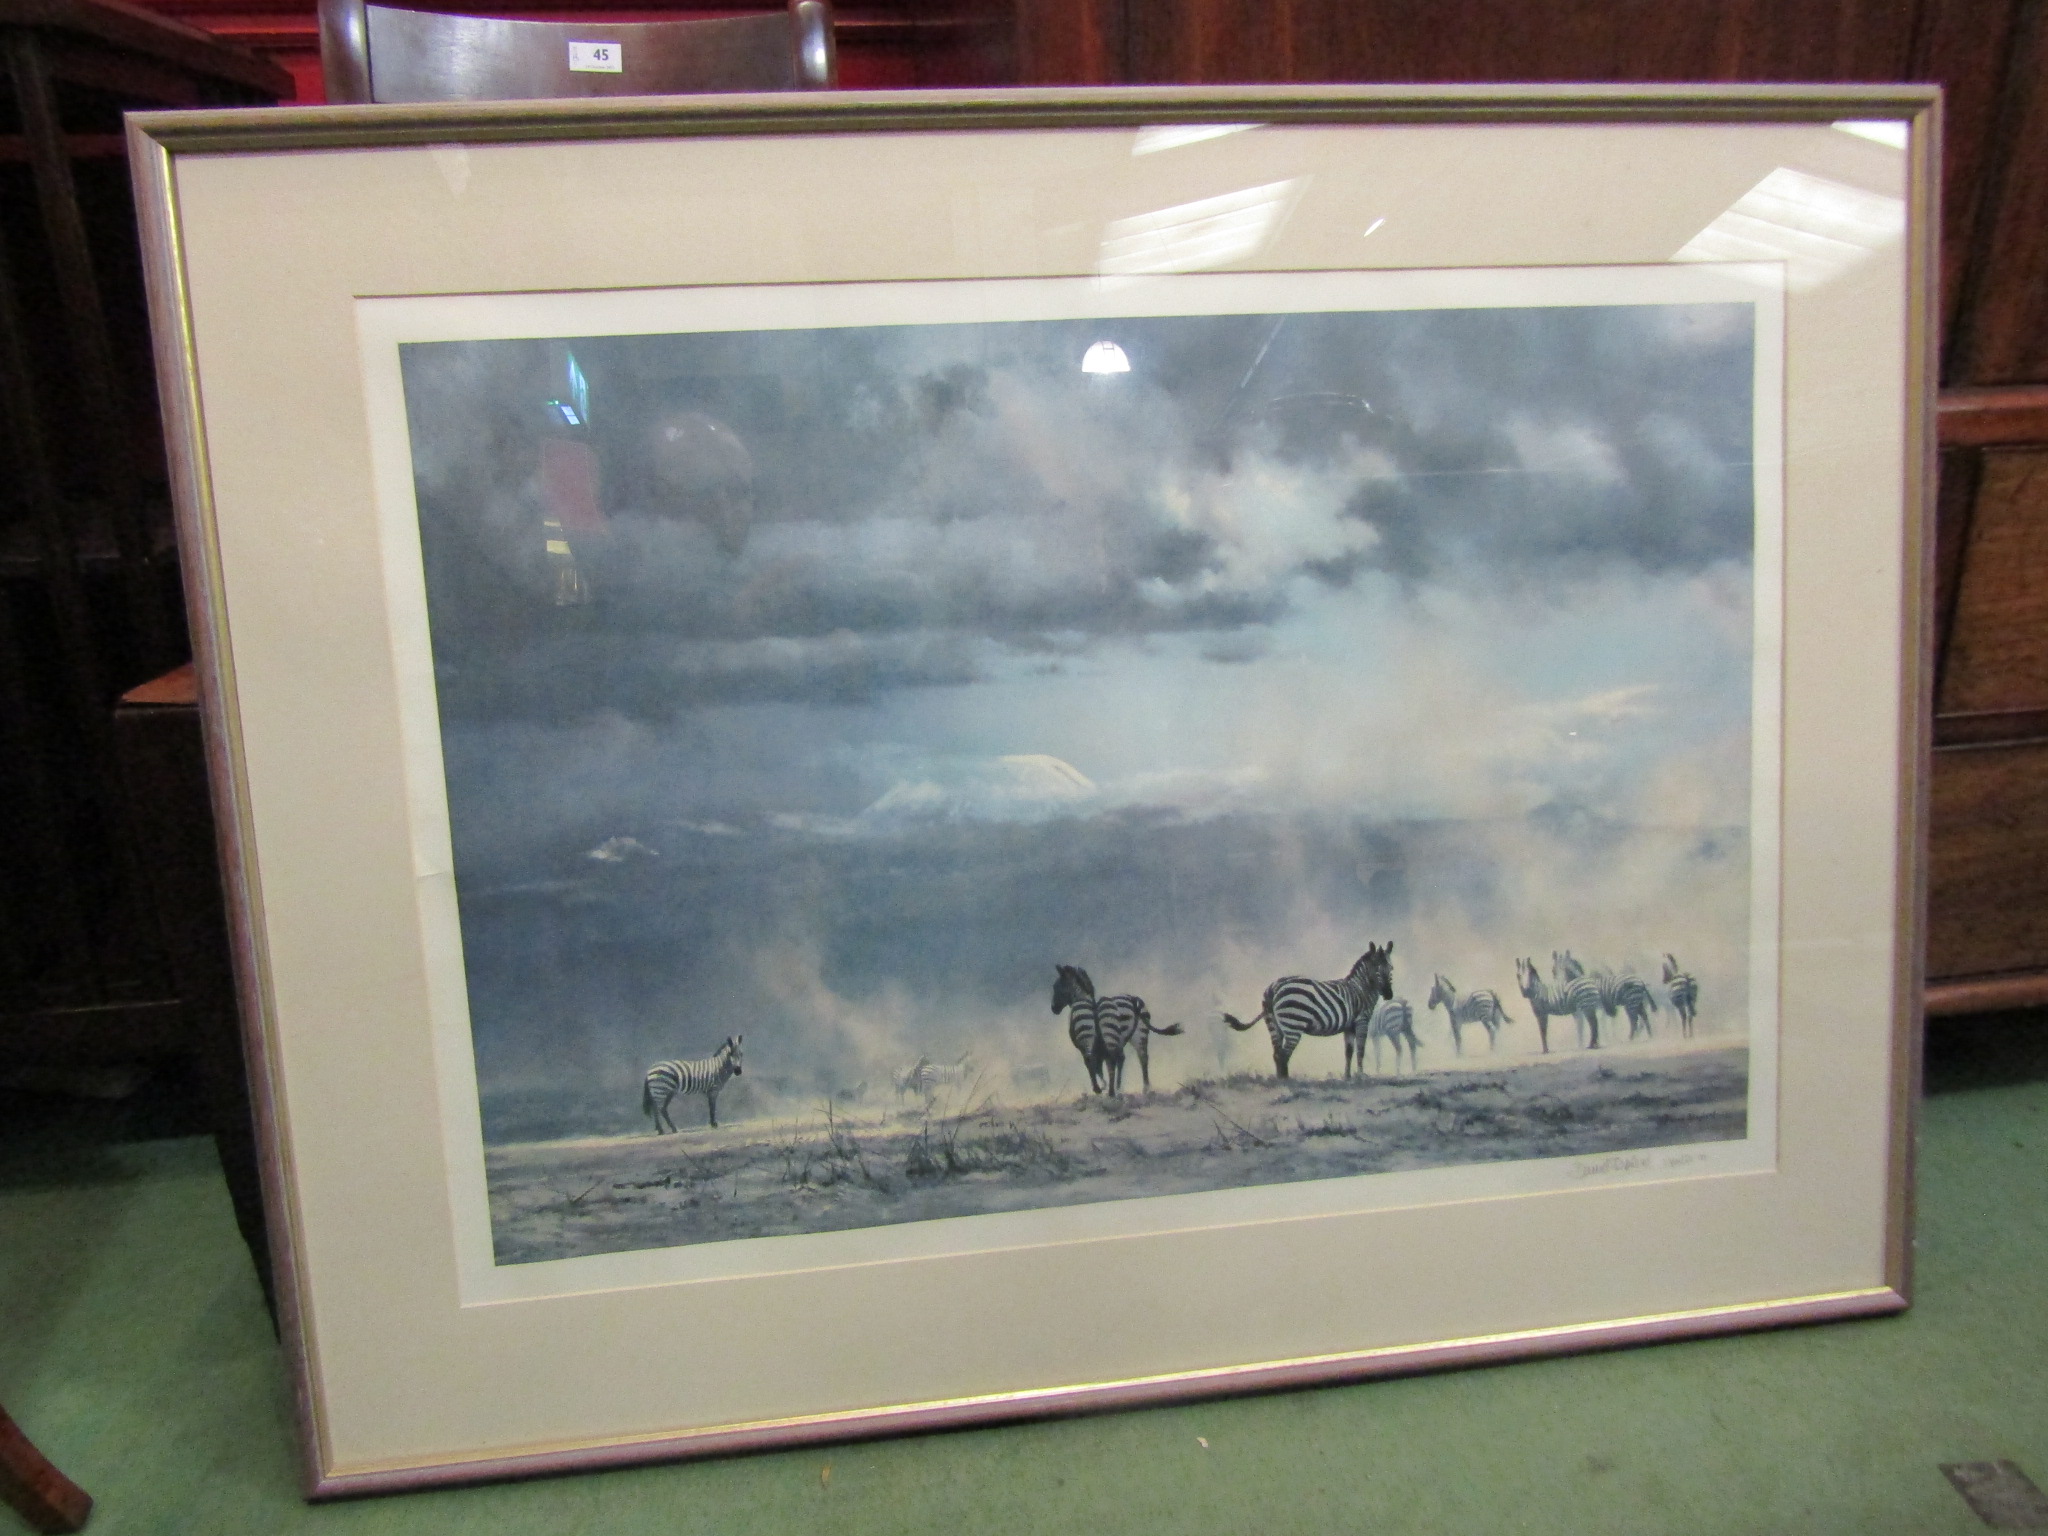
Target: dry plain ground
x,y
826,1171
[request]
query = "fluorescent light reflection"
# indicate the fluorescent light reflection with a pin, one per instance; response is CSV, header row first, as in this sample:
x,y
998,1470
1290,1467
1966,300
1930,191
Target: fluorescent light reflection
x,y
1891,134
1175,135
1192,237
1818,228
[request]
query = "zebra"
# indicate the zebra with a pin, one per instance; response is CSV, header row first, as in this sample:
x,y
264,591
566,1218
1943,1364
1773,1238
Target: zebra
x,y
1122,1021
1482,1008
925,1077
1075,993
1578,996
1633,995
1392,1019
666,1079
1565,966
1103,1027
1621,991
1684,991
1296,1005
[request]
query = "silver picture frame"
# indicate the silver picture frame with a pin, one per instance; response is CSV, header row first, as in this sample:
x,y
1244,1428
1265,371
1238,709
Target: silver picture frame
x,y
293,255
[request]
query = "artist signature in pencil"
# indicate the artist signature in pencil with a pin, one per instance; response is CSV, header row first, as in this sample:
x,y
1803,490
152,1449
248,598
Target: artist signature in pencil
x,y
1631,1162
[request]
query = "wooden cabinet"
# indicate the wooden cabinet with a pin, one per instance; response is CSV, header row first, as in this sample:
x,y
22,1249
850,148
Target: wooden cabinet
x,y
105,810
1988,924
89,602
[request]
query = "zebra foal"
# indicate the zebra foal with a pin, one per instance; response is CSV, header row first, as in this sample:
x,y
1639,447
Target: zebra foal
x,y
706,1075
1392,1019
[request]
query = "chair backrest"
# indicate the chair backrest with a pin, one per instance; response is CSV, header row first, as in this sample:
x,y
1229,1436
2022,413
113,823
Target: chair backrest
x,y
383,53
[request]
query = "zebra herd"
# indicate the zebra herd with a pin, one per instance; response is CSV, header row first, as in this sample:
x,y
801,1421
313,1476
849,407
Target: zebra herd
x,y
1360,1006
1585,997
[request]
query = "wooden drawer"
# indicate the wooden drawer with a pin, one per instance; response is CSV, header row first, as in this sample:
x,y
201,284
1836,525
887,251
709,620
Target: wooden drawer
x,y
1988,875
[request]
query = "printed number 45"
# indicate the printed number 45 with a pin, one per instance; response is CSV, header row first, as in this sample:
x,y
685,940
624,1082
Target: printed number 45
x,y
597,58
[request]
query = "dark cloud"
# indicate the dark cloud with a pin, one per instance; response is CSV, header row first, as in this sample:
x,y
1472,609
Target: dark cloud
x,y
883,491
655,678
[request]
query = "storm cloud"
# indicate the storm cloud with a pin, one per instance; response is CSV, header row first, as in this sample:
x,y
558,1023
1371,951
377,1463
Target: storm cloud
x,y
920,492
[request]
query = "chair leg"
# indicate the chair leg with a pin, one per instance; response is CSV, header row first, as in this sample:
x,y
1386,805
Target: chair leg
x,y
39,1493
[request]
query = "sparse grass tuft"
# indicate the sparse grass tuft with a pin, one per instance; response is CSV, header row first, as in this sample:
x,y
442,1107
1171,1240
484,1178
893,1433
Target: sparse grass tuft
x,y
945,1151
843,1160
1330,1126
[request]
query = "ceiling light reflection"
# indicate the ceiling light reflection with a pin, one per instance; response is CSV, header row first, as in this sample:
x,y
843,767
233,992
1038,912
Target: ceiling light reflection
x,y
1818,228
1888,132
1105,357
1175,135
1191,237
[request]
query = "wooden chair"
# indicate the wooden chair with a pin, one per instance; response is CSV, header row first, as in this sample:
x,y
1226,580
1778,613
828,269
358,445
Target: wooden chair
x,y
384,53
35,1490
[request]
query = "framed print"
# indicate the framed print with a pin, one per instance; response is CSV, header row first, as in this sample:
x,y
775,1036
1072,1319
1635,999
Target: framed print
x,y
991,753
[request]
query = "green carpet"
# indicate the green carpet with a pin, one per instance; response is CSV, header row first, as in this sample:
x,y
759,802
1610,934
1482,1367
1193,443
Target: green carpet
x,y
134,1349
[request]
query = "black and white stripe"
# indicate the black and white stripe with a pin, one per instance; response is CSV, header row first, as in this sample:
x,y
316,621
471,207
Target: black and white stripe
x,y
1298,1005
1074,994
1103,1028
1122,1021
666,1079
1578,997
1392,1019
1564,966
1482,1007
1628,992
927,1078
1684,991
1621,991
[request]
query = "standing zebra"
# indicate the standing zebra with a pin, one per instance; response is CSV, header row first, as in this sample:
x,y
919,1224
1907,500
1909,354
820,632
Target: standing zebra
x,y
1120,1021
1634,997
925,1077
1621,991
1684,992
1579,996
1296,1005
1075,993
1482,1008
1564,967
1112,1024
1392,1019
666,1079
